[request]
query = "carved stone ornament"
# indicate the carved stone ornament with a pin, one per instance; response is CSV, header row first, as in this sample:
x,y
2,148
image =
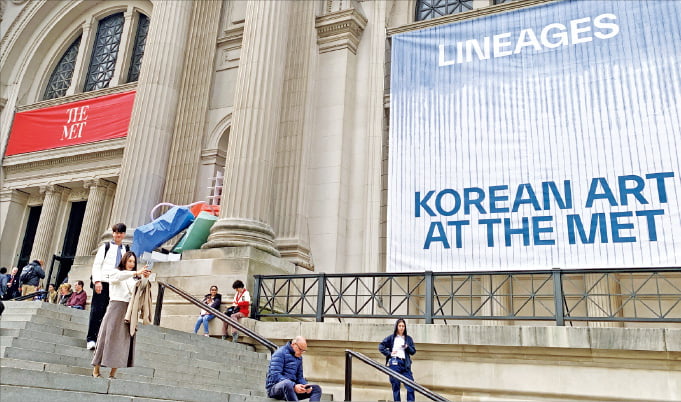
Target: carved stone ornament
x,y
340,30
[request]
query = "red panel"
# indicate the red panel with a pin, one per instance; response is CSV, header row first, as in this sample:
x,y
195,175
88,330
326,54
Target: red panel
x,y
74,123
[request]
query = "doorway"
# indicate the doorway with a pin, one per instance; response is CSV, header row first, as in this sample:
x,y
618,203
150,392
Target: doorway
x,y
29,235
68,251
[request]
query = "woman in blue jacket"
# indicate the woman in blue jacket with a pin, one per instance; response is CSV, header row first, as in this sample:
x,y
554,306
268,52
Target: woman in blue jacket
x,y
397,349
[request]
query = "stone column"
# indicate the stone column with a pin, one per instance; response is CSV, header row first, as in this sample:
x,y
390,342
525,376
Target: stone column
x,y
290,217
375,237
13,206
145,160
246,198
44,236
602,300
182,179
94,213
338,145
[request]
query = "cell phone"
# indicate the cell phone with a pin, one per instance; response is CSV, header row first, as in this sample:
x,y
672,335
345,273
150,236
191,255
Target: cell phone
x,y
307,386
147,260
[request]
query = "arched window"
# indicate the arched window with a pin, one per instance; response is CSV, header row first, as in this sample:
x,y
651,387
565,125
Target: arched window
x,y
427,9
61,76
138,49
104,52
114,58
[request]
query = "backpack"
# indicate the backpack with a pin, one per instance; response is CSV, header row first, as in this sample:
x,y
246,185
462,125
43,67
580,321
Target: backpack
x,y
107,246
26,274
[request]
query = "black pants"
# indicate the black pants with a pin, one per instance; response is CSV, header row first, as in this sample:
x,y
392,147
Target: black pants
x,y
98,307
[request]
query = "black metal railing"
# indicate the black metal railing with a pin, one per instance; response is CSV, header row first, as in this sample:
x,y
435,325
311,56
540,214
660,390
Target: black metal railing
x,y
217,313
349,354
559,295
31,296
65,264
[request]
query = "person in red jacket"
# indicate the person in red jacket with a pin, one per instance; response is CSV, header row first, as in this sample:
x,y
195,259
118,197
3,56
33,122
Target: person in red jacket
x,y
78,298
242,300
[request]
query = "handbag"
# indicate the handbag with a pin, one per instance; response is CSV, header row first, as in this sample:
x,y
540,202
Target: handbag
x,y
232,310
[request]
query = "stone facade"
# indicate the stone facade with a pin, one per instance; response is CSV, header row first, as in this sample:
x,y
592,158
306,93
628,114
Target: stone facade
x,y
289,102
292,111
498,363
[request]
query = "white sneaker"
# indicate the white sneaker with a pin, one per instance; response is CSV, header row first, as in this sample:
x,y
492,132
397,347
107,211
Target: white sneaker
x,y
91,345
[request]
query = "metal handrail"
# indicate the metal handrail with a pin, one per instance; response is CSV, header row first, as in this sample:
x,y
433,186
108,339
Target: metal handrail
x,y
29,296
217,313
349,354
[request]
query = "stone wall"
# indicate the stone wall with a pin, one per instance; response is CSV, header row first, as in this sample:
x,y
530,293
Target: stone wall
x,y
471,363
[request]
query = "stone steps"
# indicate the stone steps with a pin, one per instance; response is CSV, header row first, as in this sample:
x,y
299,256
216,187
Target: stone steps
x,y
46,344
18,377
148,350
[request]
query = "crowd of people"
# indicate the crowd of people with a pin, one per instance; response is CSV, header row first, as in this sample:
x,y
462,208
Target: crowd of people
x,y
27,282
119,287
21,282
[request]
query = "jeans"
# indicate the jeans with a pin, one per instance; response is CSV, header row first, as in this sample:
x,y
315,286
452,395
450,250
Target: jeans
x,y
283,390
395,383
203,319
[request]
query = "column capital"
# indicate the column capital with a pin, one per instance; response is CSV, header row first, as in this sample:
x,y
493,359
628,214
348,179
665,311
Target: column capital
x,y
53,188
96,182
10,194
340,30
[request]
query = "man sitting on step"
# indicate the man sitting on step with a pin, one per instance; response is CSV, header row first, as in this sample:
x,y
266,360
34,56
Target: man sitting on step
x,y
285,380
78,298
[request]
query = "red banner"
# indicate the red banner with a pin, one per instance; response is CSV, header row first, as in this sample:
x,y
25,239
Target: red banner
x,y
74,123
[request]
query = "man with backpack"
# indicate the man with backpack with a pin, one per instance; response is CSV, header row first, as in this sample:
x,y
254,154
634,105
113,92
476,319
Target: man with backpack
x,y
107,259
31,276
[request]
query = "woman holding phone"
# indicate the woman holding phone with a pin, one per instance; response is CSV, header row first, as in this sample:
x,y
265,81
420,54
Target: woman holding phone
x,y
398,349
115,346
213,299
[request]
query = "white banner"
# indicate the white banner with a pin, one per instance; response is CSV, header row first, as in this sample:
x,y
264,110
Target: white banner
x,y
538,138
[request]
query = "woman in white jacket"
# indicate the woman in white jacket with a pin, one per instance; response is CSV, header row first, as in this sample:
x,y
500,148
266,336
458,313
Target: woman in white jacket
x,y
115,347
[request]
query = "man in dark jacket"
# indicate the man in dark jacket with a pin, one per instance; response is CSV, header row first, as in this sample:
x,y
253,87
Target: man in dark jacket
x,y
31,276
13,289
4,279
285,380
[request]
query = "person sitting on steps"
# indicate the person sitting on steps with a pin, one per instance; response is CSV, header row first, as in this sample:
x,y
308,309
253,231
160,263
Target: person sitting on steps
x,y
242,305
212,299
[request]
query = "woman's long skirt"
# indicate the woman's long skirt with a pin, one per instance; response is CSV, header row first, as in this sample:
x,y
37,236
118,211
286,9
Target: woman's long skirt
x,y
115,347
